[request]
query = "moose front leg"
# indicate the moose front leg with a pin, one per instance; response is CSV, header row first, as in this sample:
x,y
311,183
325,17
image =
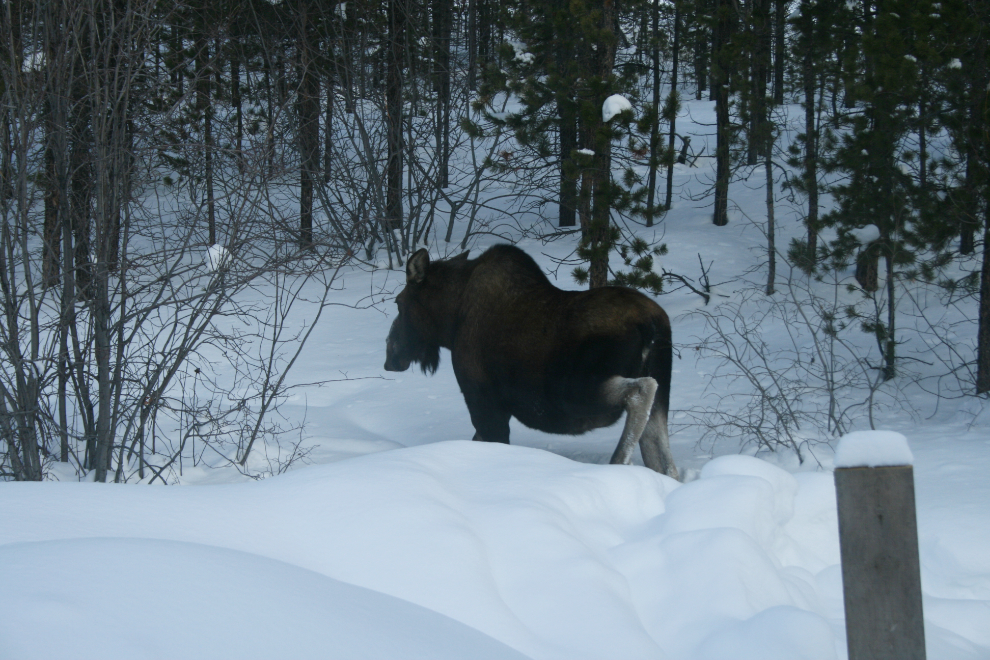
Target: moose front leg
x,y
491,423
636,396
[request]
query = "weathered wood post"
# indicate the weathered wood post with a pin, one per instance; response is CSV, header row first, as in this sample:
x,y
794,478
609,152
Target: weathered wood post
x,y
878,538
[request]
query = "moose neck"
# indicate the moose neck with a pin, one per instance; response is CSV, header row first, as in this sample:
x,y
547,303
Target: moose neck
x,y
447,283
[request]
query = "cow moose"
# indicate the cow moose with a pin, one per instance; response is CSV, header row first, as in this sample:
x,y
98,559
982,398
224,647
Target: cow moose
x,y
558,361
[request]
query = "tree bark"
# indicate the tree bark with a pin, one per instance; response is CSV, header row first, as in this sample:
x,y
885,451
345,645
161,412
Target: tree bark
x,y
702,48
983,330
235,95
393,113
674,98
568,184
204,83
720,89
599,231
308,109
771,224
651,181
779,58
442,24
810,155
472,44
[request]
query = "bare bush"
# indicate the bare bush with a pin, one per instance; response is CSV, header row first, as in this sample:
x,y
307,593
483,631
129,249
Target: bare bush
x,y
790,372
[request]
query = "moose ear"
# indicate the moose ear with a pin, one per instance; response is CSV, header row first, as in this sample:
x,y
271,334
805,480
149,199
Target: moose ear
x,y
463,256
416,266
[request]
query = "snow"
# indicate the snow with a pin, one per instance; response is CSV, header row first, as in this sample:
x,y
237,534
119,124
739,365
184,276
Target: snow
x,y
553,558
586,152
520,53
955,63
614,105
185,600
33,61
873,449
866,235
217,258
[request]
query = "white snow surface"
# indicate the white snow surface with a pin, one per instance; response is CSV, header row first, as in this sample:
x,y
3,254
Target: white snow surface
x,y
553,558
615,104
185,600
873,449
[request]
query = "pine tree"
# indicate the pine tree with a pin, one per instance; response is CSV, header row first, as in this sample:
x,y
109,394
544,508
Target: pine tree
x,y
562,72
818,26
875,159
952,59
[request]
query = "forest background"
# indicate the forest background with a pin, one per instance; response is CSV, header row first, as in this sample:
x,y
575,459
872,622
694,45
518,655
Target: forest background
x,y
177,178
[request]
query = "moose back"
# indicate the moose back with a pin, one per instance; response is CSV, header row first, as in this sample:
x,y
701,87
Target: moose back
x,y
558,361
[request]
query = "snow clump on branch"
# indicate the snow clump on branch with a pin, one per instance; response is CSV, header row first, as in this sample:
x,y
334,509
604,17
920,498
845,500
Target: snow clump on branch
x,y
614,105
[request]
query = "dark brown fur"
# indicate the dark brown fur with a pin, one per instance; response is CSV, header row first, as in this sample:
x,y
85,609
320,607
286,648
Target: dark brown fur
x,y
522,347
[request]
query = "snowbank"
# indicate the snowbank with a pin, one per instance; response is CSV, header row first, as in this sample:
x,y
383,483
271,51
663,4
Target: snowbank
x,y
553,558
142,598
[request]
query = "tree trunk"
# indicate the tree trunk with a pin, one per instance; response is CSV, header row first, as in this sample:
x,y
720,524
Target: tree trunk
x,y
328,128
442,24
52,243
771,224
779,46
979,128
568,183
393,113
599,231
651,183
702,48
308,110
720,88
80,166
983,331
890,343
484,10
674,105
810,156
204,78
235,98
472,44
922,132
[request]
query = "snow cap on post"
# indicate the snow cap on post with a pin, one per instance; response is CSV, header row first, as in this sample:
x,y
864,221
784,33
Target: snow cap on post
x,y
873,449
614,105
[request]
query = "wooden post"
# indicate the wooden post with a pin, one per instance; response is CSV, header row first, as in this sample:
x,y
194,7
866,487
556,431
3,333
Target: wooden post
x,y
881,575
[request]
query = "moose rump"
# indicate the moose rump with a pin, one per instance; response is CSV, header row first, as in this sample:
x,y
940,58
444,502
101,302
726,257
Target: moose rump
x,y
558,361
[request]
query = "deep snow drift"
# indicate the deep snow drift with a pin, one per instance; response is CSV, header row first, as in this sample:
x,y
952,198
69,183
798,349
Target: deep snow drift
x,y
553,558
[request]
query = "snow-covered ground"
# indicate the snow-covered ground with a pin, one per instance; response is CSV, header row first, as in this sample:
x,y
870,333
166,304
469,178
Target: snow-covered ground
x,y
404,540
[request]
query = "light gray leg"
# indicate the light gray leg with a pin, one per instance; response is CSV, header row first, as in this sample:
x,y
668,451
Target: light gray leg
x,y
655,445
636,396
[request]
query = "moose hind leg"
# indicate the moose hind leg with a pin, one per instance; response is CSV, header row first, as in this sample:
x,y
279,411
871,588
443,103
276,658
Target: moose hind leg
x,y
655,445
636,396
